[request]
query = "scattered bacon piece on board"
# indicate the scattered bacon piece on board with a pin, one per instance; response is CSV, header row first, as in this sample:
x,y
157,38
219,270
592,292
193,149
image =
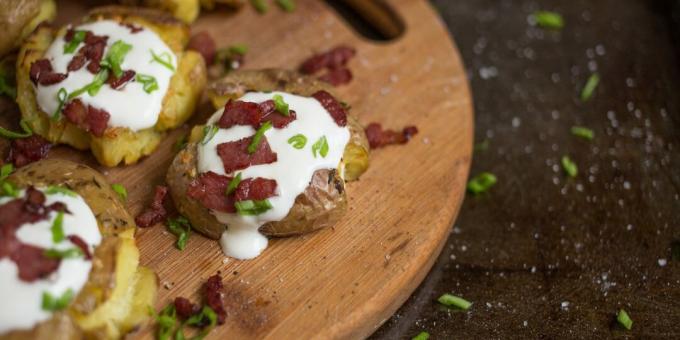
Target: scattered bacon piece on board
x,y
204,44
155,212
28,150
378,138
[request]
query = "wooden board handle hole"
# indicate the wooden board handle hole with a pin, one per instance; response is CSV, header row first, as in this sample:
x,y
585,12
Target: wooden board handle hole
x,y
372,19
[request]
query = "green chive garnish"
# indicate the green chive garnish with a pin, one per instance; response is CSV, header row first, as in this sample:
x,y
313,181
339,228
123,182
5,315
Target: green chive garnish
x,y
590,87
70,253
72,45
481,183
181,142
8,189
281,106
547,19
320,146
624,319
58,228
92,88
199,320
62,96
6,170
569,166
260,6
164,59
181,228
16,135
55,189
209,132
286,5
582,132
115,56
298,141
421,336
233,184
120,190
166,321
454,301
238,49
52,304
149,82
482,146
258,137
250,207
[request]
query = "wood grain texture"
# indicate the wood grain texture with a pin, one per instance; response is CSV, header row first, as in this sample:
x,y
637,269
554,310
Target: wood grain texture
x,y
341,282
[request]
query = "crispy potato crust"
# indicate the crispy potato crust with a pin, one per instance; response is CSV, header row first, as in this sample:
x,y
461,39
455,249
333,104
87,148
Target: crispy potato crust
x,y
105,307
118,145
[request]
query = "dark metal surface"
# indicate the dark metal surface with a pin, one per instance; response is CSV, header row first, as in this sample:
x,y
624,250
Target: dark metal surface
x,y
540,255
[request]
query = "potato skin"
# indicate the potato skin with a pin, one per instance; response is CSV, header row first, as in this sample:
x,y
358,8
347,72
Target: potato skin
x,y
20,17
118,145
115,270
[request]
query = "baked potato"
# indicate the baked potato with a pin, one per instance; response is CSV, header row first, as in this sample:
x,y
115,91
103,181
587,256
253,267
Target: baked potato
x,y
114,299
185,10
321,204
116,144
19,18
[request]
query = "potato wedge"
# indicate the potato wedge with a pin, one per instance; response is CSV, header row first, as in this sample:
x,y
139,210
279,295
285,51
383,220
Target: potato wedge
x,y
114,300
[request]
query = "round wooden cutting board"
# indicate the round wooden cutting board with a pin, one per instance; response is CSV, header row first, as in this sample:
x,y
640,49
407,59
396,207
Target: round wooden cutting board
x,y
341,282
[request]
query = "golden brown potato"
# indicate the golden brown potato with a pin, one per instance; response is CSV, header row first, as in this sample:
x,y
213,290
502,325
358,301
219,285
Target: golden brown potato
x,y
19,18
117,144
322,204
185,10
114,300
212,4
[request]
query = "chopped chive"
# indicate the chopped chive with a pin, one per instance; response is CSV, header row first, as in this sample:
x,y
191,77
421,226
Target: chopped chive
x,y
298,141
260,6
258,137
92,88
58,228
149,82
570,168
589,88
481,183
280,105
286,5
166,321
482,146
115,56
71,46
583,132
624,319
70,253
251,207
62,96
233,184
55,189
53,304
181,228
206,316
454,301
181,142
6,170
421,336
238,49
547,19
120,190
164,59
16,135
8,189
209,132
320,146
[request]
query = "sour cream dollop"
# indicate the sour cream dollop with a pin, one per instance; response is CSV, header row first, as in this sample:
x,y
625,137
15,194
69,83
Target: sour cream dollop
x,y
130,106
22,301
292,171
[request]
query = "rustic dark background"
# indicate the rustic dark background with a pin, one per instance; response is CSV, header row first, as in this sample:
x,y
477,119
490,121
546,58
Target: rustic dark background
x,y
540,255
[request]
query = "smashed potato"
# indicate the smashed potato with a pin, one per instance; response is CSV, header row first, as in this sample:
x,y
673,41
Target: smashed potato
x,y
19,18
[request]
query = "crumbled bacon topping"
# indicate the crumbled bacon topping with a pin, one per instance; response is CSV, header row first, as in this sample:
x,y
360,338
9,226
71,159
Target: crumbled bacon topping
x,y
155,212
28,150
88,118
332,106
255,189
238,112
42,73
117,83
334,58
133,28
185,308
213,297
235,155
204,44
80,243
210,189
270,114
378,138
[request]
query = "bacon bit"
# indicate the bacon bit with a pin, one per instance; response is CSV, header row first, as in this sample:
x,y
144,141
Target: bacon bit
x,y
92,39
76,63
70,33
94,53
332,106
155,212
255,189
32,263
204,44
378,138
75,111
337,76
280,121
42,73
28,150
133,29
213,297
116,83
185,309
267,107
87,118
210,189
240,113
235,155
78,242
334,58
